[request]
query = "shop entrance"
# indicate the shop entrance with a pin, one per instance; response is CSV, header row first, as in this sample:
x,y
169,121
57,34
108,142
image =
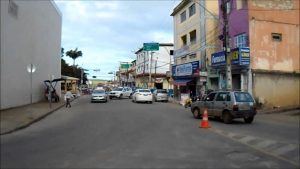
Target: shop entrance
x,y
158,85
236,81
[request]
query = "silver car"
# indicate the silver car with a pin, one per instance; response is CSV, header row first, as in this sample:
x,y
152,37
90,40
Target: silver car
x,y
226,105
99,96
160,95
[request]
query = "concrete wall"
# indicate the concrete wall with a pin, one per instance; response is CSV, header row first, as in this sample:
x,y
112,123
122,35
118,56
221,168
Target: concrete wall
x,y
31,36
276,89
275,64
281,17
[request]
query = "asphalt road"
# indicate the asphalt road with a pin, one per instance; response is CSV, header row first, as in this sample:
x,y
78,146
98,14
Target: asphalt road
x,y
122,134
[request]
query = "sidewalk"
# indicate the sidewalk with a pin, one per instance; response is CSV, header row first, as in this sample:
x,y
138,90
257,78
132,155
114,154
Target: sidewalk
x,y
17,118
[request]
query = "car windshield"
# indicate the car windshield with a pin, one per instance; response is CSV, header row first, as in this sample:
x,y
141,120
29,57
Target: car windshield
x,y
243,97
118,89
98,91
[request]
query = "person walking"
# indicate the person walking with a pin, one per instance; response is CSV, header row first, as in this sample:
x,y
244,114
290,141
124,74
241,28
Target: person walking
x,y
68,97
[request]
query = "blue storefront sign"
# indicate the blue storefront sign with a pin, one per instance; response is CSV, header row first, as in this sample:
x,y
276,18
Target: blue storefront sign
x,y
187,69
239,56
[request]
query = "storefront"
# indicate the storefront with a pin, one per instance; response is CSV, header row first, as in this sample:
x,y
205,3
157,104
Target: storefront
x,y
240,61
186,78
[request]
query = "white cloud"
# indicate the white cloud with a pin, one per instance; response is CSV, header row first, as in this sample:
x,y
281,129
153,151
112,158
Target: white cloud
x,y
108,31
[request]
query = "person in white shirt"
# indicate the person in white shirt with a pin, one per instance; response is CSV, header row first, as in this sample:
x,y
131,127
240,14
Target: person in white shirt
x,y
68,97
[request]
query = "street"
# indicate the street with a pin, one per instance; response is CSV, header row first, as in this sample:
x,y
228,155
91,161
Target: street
x,y
122,134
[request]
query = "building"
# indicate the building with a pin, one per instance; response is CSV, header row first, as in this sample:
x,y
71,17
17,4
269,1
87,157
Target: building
x,y
30,41
195,39
124,69
152,67
264,42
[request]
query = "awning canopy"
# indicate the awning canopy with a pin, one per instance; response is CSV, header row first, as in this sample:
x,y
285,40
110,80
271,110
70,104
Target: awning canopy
x,y
181,82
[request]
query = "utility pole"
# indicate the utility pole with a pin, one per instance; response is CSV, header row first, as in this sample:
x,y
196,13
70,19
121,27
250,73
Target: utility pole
x,y
226,45
155,70
150,79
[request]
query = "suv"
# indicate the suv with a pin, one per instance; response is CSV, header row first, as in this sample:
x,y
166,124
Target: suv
x,y
226,105
120,92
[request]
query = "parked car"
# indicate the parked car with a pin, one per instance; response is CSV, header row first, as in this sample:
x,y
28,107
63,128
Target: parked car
x,y
226,105
160,95
142,95
99,95
120,92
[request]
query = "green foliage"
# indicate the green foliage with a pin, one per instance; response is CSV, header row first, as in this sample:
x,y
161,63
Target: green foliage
x,y
74,54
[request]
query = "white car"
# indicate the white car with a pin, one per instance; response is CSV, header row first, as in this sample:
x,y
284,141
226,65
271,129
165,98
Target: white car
x,y
120,92
142,95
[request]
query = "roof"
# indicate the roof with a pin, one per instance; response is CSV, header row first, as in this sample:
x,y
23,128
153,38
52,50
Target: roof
x,y
180,6
69,77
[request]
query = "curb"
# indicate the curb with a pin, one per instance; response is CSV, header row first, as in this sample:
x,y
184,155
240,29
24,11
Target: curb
x,y
34,120
279,110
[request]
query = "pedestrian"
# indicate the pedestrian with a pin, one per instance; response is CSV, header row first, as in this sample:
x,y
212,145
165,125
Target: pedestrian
x,y
68,97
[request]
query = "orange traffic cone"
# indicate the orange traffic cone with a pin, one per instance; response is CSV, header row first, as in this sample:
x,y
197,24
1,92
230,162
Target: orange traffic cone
x,y
204,122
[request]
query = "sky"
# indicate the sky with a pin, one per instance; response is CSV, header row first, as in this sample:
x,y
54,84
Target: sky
x,y
109,32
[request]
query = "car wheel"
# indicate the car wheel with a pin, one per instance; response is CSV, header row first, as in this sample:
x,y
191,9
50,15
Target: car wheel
x,y
130,96
121,96
150,102
249,119
227,118
196,113
110,97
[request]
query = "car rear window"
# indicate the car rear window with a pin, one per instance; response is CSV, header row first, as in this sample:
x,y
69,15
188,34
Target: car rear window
x,y
161,91
243,97
145,91
98,91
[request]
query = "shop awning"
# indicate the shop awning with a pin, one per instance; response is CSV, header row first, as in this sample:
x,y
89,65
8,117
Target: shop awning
x,y
181,82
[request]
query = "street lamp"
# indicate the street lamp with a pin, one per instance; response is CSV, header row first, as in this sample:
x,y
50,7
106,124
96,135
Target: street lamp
x,y
31,69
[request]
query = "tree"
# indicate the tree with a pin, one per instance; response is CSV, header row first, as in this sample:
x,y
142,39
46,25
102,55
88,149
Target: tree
x,y
74,54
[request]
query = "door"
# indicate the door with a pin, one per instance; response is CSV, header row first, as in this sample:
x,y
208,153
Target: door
x,y
209,104
221,103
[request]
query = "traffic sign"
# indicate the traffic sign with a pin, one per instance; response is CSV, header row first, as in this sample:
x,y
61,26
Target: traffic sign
x,y
151,46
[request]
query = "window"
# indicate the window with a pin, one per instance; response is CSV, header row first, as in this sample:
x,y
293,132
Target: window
x,y
192,56
243,97
193,37
241,4
223,96
228,7
192,10
241,40
277,37
210,97
183,39
183,59
183,16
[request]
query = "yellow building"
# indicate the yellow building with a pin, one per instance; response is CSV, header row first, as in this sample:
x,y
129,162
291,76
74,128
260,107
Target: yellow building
x,y
195,37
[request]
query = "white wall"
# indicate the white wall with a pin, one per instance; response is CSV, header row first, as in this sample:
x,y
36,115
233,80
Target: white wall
x,y
34,36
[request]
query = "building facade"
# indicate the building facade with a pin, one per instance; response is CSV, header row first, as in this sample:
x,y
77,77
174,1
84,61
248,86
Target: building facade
x,y
30,41
195,38
264,42
152,67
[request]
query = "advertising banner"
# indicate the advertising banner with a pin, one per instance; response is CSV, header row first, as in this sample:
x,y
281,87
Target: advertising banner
x,y
238,56
187,69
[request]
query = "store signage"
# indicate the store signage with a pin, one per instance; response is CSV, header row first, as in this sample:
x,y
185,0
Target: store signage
x,y
239,56
187,69
181,52
218,59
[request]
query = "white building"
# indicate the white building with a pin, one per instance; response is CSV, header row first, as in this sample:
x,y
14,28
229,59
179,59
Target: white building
x,y
30,34
152,67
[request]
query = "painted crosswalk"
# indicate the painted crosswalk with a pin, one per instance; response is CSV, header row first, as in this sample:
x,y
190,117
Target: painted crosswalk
x,y
284,151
